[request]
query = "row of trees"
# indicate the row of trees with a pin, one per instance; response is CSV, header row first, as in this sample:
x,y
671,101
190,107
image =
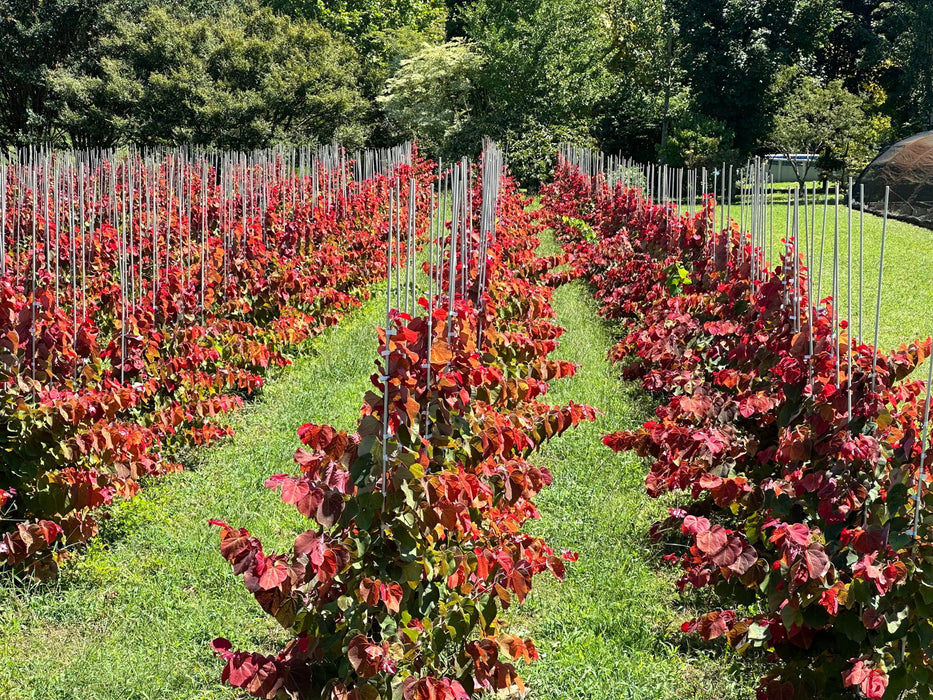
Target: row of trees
x,y
689,81
693,82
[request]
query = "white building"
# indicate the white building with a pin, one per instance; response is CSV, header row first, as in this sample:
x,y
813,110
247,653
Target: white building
x,y
780,168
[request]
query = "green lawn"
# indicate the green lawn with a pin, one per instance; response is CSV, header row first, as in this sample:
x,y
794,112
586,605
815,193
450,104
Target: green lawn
x,y
133,618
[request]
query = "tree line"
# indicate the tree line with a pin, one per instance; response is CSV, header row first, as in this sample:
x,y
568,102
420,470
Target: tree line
x,y
690,82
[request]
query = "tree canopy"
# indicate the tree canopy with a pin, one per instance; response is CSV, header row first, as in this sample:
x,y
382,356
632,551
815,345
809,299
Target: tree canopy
x,y
243,79
686,81
826,120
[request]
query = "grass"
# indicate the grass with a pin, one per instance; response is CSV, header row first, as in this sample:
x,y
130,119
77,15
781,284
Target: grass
x,y
133,618
610,629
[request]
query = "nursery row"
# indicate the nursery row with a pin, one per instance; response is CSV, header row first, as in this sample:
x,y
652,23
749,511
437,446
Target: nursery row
x,y
143,295
797,451
415,541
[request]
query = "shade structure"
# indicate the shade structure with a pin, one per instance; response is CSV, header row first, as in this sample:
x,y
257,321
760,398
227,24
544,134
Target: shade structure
x,y
907,168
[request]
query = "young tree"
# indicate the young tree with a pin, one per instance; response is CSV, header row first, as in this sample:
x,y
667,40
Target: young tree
x,y
826,120
428,98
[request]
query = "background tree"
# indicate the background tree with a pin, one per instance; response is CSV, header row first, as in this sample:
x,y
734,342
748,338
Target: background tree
x,y
853,50
244,79
699,141
36,36
543,77
689,82
906,27
827,120
734,49
428,97
648,91
383,32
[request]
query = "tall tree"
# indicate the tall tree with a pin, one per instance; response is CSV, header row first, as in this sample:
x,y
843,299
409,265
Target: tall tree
x,y
647,81
243,79
733,49
543,78
853,51
383,32
907,26
826,120
428,97
37,36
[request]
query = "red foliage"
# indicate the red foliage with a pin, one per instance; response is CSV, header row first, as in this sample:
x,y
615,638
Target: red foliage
x,y
791,505
126,335
416,537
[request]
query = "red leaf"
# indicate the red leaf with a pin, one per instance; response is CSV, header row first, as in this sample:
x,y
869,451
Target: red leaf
x,y
875,685
713,625
729,554
364,656
712,540
369,591
330,508
816,560
799,534
520,583
237,547
391,595
309,504
745,561
50,531
276,571
693,525
293,490
855,675
868,541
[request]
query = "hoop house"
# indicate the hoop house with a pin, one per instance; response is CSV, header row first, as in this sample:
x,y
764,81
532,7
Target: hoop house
x,y
907,168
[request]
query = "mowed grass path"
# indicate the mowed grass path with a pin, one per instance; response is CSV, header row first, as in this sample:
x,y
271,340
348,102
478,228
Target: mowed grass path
x,y
611,629
134,617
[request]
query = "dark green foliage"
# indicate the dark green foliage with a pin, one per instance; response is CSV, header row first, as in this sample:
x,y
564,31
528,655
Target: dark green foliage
x,y
35,37
733,49
243,79
853,51
384,33
231,75
907,28
543,78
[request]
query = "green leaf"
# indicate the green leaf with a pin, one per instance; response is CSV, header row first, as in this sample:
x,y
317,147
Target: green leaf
x,y
850,624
